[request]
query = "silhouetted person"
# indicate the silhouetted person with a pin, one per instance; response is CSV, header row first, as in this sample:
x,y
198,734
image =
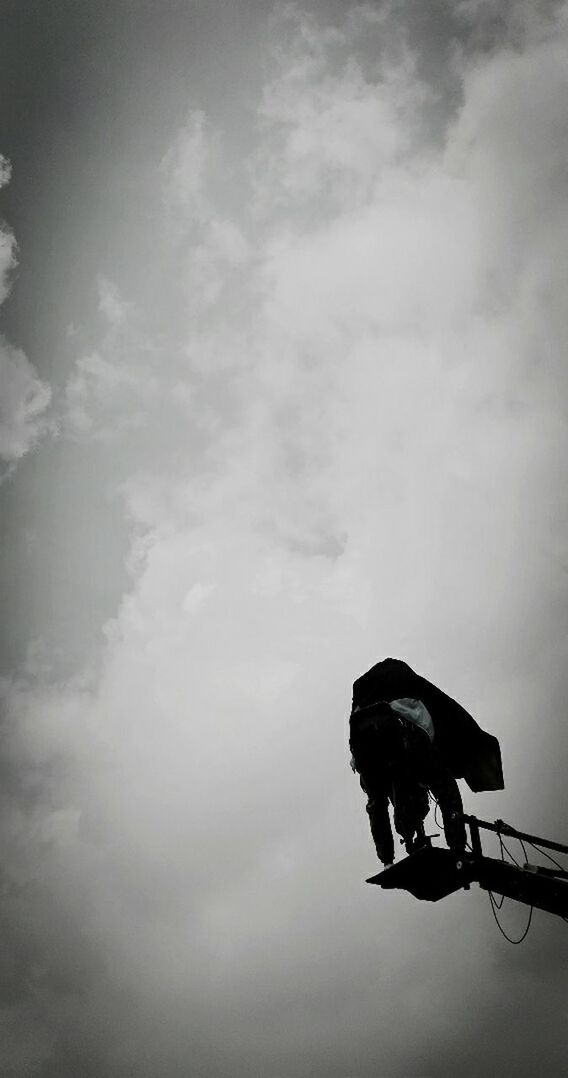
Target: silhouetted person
x,y
408,738
398,763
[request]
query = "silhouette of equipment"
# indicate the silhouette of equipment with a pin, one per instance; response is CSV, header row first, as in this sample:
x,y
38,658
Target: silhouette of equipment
x,y
431,872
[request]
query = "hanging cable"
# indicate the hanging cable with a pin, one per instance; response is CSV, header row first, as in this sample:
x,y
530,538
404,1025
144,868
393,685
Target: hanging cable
x,y
504,849
436,807
494,901
508,858
497,905
494,908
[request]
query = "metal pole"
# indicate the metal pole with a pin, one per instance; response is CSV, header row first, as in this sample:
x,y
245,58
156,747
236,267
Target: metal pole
x,y
499,827
474,834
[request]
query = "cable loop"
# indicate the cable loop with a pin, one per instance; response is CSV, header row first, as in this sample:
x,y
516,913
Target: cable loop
x,y
494,907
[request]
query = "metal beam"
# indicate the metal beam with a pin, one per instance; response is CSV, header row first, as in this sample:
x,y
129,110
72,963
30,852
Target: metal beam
x,y
523,885
501,828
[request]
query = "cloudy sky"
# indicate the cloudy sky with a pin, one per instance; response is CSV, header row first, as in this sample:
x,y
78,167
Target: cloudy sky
x,y
282,392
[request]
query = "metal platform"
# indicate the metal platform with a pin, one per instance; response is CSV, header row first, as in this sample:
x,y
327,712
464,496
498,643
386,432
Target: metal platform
x,y
433,873
429,874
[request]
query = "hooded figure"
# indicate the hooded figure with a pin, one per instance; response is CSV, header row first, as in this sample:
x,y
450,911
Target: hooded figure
x,y
407,738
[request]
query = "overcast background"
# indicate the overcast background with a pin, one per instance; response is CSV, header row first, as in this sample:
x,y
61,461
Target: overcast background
x,y
282,391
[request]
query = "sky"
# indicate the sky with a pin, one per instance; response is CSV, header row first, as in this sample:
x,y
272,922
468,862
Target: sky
x,y
282,392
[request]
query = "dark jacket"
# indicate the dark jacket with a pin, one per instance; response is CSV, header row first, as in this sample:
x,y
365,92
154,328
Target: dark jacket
x,y
466,750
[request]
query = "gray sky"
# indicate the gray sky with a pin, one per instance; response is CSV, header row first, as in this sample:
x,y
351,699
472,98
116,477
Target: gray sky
x,y
282,391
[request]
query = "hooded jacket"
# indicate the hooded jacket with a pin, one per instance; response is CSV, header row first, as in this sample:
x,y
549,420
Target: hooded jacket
x,y
466,750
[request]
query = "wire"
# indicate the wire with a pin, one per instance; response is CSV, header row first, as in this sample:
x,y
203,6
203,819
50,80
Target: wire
x,y
554,862
491,895
524,849
436,807
494,907
535,846
503,847
545,854
494,903
497,905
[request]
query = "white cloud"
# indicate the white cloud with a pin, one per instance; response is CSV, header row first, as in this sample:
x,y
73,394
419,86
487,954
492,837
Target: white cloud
x,y
222,250
106,396
7,261
111,304
330,131
7,239
184,169
5,171
24,399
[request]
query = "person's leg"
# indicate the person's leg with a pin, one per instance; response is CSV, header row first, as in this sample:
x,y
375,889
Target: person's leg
x,y
421,839
381,831
410,801
446,791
